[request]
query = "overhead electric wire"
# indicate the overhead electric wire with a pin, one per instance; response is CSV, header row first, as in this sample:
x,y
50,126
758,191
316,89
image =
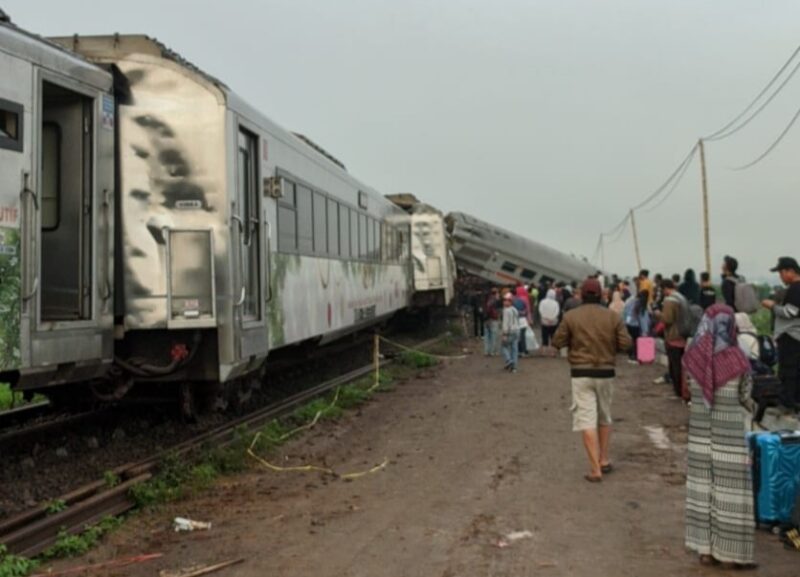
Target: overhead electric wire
x,y
621,230
718,135
667,182
675,184
773,145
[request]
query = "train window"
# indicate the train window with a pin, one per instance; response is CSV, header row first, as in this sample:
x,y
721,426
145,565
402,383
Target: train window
x,y
11,122
333,227
287,219
288,197
320,224
344,231
370,238
387,242
509,267
51,175
378,241
353,233
362,236
528,273
305,220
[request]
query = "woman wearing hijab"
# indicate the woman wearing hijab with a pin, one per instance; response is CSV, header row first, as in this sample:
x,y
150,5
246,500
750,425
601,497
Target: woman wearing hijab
x,y
720,521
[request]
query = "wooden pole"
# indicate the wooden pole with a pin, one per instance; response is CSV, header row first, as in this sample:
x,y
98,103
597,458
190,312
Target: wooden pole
x,y
636,242
376,358
706,230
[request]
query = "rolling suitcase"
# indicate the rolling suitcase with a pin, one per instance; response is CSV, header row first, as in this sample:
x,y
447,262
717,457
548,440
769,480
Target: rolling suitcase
x,y
776,474
646,350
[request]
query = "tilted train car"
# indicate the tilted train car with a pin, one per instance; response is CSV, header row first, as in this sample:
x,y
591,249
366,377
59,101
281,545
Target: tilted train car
x,y
433,262
503,257
56,186
217,235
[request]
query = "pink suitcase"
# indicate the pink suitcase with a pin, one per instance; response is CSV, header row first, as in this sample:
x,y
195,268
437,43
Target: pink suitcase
x,y
646,350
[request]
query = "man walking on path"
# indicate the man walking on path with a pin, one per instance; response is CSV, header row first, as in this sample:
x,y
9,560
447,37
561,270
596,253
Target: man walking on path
x,y
594,336
675,306
787,331
510,333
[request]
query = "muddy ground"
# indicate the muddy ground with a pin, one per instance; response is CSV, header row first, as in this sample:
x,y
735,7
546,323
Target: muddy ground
x,y
474,454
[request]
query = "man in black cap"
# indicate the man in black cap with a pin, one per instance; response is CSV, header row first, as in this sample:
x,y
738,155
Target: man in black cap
x,y
787,330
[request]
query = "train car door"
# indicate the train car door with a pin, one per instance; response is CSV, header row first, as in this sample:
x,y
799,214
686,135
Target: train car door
x,y
247,215
73,188
16,85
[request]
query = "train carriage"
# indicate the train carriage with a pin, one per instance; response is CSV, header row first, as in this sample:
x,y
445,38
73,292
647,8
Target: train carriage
x,y
236,237
503,257
56,211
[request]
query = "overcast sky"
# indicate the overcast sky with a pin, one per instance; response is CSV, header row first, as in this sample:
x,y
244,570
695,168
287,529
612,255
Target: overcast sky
x,y
550,118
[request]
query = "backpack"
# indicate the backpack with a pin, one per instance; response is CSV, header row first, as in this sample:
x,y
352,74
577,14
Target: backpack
x,y
767,353
686,318
695,316
745,296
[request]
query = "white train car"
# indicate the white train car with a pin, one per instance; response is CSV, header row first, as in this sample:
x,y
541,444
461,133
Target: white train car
x,y
502,257
56,212
236,237
431,257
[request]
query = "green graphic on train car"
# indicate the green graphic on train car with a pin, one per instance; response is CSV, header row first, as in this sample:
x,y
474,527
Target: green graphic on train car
x,y
9,299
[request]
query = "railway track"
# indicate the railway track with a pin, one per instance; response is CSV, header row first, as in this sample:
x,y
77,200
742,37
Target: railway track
x,y
18,415
35,530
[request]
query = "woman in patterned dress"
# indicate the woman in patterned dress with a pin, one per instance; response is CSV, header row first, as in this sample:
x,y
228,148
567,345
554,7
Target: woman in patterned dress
x,y
720,520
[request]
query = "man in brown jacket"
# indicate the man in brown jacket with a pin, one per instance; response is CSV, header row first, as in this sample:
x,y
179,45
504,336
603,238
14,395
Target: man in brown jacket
x,y
594,335
675,343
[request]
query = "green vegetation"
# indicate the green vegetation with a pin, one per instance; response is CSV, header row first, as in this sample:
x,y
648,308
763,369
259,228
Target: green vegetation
x,y
14,565
417,359
56,506
10,399
762,319
111,479
74,545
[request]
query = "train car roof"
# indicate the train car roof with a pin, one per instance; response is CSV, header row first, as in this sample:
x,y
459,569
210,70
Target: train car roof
x,y
104,47
42,52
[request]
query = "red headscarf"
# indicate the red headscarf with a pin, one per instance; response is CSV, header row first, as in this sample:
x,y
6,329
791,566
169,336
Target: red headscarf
x,y
713,358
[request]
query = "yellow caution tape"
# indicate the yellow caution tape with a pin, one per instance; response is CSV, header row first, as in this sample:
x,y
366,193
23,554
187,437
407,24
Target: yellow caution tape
x,y
409,349
310,468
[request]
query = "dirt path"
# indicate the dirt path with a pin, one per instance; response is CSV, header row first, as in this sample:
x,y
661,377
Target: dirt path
x,y
474,454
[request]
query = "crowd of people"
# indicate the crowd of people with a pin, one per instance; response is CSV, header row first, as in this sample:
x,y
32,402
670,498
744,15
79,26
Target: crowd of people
x,y
712,352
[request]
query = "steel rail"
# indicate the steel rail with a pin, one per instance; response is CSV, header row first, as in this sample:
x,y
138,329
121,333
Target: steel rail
x,y
33,531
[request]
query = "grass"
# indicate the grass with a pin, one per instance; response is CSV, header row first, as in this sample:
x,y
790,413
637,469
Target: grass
x,y
14,565
10,399
69,545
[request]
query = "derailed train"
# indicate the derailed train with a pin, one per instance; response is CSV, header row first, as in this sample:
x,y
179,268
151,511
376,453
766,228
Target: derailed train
x,y
156,228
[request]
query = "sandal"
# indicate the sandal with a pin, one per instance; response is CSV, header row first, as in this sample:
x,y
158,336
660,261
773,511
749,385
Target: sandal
x,y
593,478
606,469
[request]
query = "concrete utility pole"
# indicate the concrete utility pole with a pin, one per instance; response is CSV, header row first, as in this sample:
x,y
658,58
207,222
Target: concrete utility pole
x,y
636,242
706,232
